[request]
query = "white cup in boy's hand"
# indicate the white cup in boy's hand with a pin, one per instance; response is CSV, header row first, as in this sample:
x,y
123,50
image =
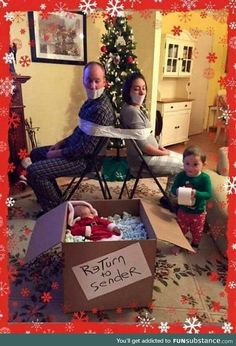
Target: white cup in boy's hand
x,y
185,196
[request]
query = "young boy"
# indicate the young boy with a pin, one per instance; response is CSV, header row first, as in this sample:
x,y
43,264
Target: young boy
x,y
192,217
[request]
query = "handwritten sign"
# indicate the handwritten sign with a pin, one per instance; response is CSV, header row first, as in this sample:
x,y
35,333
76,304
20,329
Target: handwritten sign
x,y
112,271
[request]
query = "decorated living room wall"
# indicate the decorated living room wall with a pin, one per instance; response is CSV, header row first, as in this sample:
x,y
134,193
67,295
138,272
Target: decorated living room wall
x,y
54,93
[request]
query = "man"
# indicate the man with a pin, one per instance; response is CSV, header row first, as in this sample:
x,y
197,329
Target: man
x,y
68,156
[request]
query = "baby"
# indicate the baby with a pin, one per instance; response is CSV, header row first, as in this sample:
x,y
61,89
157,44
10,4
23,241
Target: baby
x,y
84,221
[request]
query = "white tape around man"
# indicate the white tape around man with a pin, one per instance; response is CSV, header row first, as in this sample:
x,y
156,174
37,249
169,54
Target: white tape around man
x,y
92,129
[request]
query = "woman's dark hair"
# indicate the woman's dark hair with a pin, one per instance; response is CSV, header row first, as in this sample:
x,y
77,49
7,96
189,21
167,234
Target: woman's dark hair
x,y
128,85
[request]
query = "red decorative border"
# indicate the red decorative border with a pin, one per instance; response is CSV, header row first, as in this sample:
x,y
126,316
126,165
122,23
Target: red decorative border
x,y
165,5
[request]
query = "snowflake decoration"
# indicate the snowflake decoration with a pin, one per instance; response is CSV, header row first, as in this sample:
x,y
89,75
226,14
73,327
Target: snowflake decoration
x,y
49,331
24,61
88,6
37,325
210,31
145,14
191,325
232,42
19,17
222,39
115,8
230,185
234,246
176,30
175,7
210,7
4,4
185,17
4,111
108,331
227,114
195,32
164,327
42,7
208,73
1,315
3,146
90,331
232,25
203,14
8,58
6,87
9,16
5,330
232,5
231,83
233,265
10,201
4,288
227,327
145,321
133,2
211,57
232,284
221,16
60,8
222,81
14,120
189,4
69,327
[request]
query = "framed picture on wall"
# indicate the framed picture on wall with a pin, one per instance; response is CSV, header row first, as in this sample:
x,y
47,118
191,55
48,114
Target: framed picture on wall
x,y
59,38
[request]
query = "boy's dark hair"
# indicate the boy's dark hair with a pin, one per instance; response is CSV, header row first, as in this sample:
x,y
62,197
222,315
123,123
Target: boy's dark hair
x,y
196,151
128,84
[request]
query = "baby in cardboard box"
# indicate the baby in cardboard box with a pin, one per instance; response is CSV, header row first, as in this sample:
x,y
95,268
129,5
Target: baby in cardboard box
x,y
84,221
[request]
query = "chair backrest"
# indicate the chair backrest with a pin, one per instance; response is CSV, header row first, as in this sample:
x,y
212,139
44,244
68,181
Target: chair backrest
x,y
99,153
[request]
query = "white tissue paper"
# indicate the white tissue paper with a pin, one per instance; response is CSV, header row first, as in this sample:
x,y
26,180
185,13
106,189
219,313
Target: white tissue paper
x,y
184,196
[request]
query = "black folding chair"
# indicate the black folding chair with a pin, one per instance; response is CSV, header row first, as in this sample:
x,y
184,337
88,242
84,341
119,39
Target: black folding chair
x,y
144,172
93,166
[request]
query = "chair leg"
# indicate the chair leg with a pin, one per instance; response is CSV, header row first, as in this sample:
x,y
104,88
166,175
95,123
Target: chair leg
x,y
124,186
68,188
106,187
136,180
68,197
101,185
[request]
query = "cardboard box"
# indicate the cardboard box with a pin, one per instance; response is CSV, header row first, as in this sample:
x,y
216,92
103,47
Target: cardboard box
x,y
107,274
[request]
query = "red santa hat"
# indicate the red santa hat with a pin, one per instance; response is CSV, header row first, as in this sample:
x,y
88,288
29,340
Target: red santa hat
x,y
71,212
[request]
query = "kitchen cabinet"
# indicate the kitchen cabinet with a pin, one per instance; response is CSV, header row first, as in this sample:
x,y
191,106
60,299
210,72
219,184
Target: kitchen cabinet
x,y
178,56
175,118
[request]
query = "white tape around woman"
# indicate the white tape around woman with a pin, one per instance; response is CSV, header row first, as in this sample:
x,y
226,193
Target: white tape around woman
x,y
92,129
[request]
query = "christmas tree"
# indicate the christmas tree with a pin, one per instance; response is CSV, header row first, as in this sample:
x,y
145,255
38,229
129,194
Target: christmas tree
x,y
119,61
117,56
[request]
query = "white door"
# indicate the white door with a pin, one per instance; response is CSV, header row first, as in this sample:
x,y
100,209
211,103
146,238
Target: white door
x,y
199,84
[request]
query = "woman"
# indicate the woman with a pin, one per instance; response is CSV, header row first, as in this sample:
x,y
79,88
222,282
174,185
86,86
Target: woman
x,y
162,162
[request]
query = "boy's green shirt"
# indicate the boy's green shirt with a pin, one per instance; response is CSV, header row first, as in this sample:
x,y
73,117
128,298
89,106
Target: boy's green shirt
x,y
202,185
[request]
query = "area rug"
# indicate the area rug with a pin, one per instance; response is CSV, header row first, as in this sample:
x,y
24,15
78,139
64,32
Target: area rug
x,y
185,285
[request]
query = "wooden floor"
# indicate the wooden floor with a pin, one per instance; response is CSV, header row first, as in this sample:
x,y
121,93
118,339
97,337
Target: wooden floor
x,y
206,141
